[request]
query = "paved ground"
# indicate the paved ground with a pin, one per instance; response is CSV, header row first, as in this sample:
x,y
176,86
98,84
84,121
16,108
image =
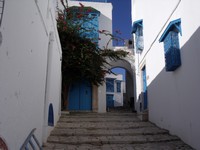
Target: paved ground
x,y
110,131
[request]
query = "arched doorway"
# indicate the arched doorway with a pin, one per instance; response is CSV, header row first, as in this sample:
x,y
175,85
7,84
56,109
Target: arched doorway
x,y
129,97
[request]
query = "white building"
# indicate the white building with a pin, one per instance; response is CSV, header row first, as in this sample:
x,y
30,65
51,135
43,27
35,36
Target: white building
x,y
115,88
105,18
167,77
30,70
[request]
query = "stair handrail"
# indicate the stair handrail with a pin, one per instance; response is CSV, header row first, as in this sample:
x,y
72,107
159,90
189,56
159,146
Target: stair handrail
x,y
29,141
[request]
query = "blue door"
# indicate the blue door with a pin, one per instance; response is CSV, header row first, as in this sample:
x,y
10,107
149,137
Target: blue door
x,y
109,100
144,87
80,96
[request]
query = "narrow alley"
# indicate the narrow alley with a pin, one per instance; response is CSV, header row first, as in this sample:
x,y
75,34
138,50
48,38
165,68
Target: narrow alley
x,y
112,130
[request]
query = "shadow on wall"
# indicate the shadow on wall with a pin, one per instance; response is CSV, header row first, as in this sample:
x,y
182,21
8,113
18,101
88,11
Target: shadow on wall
x,y
174,96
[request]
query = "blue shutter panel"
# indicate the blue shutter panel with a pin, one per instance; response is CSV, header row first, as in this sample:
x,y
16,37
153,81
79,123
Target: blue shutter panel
x,y
171,45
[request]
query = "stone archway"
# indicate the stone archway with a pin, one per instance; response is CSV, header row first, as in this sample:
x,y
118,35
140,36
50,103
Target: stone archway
x,y
128,64
130,94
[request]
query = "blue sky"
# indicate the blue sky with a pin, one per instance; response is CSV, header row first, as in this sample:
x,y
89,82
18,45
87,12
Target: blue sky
x,y
122,22
122,18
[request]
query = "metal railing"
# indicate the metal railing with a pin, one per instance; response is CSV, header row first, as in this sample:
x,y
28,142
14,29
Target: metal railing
x,y
102,1
1,10
31,142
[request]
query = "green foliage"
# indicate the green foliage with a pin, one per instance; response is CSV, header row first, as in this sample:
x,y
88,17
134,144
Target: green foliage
x,y
81,57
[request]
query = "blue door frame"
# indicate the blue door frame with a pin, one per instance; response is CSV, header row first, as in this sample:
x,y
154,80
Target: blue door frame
x,y
80,96
145,87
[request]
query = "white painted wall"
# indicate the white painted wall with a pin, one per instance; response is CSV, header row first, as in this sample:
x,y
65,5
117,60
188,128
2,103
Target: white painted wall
x,y
23,70
118,96
173,98
105,18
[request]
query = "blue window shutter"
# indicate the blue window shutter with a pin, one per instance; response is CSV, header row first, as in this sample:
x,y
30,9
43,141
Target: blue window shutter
x,y
138,30
110,85
171,45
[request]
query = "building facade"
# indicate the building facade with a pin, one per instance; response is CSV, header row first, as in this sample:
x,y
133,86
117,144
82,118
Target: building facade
x,y
166,35
30,70
115,88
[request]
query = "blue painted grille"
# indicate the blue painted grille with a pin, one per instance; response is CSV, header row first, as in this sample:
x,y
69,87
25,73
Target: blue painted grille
x,y
172,59
172,51
109,85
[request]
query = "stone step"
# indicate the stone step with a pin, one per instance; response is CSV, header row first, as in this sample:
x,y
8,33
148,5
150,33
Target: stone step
x,y
98,119
108,132
173,145
99,140
104,125
93,115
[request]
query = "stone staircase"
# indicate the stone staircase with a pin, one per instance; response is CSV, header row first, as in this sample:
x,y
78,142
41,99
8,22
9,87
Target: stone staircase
x,y
117,131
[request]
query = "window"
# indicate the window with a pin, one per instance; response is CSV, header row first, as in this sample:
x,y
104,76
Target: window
x,y
171,45
118,86
109,85
138,30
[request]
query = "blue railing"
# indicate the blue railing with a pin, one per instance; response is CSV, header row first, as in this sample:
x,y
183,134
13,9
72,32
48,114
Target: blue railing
x,y
31,142
1,10
102,1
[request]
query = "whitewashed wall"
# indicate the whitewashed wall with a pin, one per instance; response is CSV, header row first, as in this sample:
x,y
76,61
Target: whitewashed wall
x,y
25,76
118,96
105,18
173,98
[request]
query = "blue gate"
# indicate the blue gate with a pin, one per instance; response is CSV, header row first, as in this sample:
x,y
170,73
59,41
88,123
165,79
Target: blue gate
x,y
80,96
144,87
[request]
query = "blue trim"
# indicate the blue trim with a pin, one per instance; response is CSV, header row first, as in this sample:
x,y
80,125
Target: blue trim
x,y
136,24
173,25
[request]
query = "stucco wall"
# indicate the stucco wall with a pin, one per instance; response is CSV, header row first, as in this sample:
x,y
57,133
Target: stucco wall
x,y
172,96
23,70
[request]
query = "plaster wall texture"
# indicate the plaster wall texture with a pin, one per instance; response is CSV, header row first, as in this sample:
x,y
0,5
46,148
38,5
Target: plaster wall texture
x,y
173,97
24,53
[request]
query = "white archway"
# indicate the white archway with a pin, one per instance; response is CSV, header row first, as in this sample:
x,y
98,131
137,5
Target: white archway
x,y
126,63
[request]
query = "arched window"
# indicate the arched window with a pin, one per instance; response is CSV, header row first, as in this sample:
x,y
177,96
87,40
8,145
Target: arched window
x,y
50,116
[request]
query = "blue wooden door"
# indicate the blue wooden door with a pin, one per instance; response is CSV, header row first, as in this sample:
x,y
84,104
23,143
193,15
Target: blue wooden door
x,y
80,96
85,96
145,87
74,97
109,100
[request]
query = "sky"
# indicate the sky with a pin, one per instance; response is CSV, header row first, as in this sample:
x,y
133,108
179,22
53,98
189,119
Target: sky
x,y
122,18
121,21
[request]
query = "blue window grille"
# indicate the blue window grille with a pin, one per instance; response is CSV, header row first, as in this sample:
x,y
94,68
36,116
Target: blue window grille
x,y
138,30
118,86
171,45
109,85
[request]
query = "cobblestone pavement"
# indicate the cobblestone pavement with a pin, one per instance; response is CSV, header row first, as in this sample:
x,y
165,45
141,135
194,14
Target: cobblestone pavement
x,y
110,131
